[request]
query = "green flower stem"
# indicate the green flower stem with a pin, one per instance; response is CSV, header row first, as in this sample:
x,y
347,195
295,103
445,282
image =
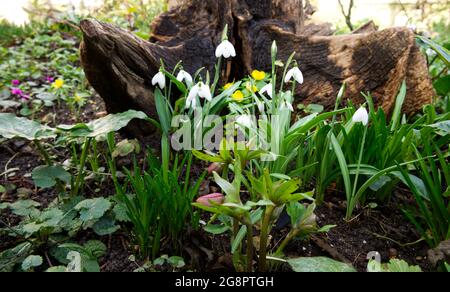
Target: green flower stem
x,y
80,176
249,248
264,237
165,148
353,200
59,185
216,76
43,152
291,235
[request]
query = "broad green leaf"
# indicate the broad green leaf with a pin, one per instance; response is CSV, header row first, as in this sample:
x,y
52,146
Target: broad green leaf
x,y
47,176
442,85
120,212
216,229
96,248
400,266
105,226
206,157
103,126
318,264
12,126
441,128
261,203
25,208
92,209
11,257
31,262
442,52
125,148
232,194
56,269
9,103
176,262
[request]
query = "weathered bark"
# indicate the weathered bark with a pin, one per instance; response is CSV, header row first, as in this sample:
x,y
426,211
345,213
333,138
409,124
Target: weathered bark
x,y
120,66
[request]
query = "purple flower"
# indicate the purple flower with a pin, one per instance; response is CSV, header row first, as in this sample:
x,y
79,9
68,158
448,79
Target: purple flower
x,y
25,97
16,91
15,82
50,79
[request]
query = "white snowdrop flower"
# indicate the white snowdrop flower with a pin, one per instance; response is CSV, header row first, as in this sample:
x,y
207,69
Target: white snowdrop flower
x,y
201,90
191,101
245,121
185,76
286,105
361,116
159,79
267,89
226,50
294,73
204,91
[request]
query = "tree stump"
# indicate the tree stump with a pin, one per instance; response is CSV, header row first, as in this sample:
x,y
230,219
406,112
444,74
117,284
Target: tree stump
x,y
120,66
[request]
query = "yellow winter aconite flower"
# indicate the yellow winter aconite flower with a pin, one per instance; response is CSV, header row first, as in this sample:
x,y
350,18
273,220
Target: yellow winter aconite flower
x,y
228,85
238,96
251,88
258,75
77,99
131,10
58,83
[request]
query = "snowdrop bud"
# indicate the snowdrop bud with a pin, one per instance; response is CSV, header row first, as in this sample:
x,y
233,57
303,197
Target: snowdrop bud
x,y
361,116
274,50
159,79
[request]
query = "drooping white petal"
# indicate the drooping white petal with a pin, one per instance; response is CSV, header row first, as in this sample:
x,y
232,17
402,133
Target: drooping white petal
x,y
159,79
219,51
361,116
205,92
191,100
245,121
184,76
289,75
267,89
231,49
296,74
289,106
